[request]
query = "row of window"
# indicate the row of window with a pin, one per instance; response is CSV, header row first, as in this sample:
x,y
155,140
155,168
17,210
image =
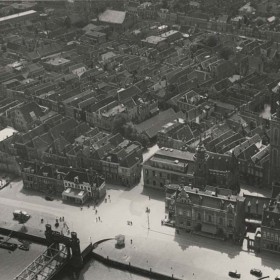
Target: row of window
x,y
76,186
271,236
161,184
208,218
272,247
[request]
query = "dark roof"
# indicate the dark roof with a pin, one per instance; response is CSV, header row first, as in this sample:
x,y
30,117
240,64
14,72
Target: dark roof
x,y
128,93
31,111
253,201
63,128
271,219
129,160
207,199
153,125
82,176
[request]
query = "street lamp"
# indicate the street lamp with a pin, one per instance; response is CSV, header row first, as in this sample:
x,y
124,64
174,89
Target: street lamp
x,y
148,210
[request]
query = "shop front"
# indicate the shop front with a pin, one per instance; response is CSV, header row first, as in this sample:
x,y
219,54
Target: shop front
x,y
75,196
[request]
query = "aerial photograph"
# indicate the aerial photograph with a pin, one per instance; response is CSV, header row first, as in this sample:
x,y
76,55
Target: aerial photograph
x,y
139,139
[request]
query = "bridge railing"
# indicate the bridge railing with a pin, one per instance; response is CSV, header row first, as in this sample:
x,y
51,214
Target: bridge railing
x,y
46,265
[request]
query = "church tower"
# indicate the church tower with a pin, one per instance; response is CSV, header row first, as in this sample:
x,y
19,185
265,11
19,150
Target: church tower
x,y
200,166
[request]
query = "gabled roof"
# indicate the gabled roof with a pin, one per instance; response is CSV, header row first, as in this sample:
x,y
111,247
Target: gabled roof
x,y
153,125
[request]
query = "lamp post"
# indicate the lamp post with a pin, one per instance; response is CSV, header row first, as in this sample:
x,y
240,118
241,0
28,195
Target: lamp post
x,y
148,210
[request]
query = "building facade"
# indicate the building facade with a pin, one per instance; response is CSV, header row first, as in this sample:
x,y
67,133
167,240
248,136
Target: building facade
x,y
82,186
43,178
168,166
270,227
208,212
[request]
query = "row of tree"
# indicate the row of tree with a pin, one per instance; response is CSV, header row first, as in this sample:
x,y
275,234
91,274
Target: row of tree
x,y
129,131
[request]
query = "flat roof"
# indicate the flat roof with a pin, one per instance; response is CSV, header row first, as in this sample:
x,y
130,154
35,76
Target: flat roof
x,y
114,111
26,13
57,61
6,133
174,154
169,33
154,39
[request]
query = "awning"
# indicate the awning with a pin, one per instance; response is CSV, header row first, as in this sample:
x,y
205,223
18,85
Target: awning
x,y
209,228
74,193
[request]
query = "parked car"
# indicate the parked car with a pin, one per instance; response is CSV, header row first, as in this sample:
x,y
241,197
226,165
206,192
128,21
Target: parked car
x,y
277,278
21,215
256,272
23,247
48,198
234,274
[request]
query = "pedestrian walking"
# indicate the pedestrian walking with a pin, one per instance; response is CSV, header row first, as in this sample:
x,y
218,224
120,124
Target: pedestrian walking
x,y
131,223
63,219
130,241
95,211
81,208
99,218
109,196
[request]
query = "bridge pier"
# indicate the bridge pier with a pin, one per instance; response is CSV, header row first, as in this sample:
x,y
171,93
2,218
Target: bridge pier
x,y
54,238
76,259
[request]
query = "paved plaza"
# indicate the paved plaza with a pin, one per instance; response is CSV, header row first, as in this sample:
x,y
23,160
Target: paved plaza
x,y
160,247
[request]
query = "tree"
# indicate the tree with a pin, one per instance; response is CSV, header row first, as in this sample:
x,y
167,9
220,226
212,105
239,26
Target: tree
x,y
119,123
212,41
225,53
143,139
67,22
129,130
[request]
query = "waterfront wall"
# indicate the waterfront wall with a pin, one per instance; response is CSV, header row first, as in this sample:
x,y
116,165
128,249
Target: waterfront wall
x,y
130,267
23,236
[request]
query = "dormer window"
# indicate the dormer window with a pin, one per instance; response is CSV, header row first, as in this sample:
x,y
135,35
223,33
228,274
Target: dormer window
x,y
45,174
76,180
230,208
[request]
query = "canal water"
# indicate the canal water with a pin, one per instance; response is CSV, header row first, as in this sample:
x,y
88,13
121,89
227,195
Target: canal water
x,y
94,270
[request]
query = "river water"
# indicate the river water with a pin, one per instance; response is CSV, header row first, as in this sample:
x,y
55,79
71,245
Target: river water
x,y
94,270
